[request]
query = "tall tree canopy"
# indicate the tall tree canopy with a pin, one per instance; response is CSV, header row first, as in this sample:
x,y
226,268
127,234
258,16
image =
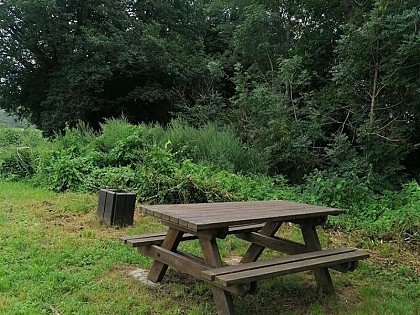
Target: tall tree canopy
x,y
62,61
315,85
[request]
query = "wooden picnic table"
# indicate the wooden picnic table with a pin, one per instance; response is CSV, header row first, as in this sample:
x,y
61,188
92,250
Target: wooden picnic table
x,y
256,222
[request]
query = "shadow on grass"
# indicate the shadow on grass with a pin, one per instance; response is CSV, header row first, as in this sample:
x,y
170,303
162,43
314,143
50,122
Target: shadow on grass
x,y
293,294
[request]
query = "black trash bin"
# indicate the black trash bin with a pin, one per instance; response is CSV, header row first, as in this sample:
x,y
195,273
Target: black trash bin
x,y
116,207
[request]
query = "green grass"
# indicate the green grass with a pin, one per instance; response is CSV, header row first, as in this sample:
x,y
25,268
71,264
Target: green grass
x,y
56,259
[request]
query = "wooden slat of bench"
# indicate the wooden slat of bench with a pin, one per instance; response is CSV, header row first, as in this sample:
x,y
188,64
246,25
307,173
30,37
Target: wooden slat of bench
x,y
274,242
124,239
211,274
245,228
157,238
279,266
286,246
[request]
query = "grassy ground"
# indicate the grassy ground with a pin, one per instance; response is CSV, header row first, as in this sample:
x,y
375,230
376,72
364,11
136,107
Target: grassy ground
x,y
56,259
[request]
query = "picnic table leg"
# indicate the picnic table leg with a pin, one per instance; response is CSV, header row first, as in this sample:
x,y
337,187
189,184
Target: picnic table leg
x,y
322,275
222,298
254,251
171,242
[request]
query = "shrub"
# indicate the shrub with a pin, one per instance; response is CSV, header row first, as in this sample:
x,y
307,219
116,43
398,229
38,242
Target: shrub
x,y
158,180
163,179
122,144
113,130
346,190
175,166
397,214
219,147
17,163
108,177
63,170
80,137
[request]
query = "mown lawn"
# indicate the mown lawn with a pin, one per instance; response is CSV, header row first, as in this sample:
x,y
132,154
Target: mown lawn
x,y
56,259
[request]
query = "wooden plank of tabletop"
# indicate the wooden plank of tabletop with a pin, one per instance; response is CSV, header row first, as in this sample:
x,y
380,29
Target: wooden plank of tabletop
x,y
228,205
214,215
212,208
234,213
239,215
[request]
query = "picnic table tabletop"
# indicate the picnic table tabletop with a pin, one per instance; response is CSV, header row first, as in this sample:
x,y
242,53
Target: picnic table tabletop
x,y
202,216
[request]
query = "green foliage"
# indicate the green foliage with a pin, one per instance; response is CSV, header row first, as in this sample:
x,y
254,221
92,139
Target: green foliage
x,y
345,190
271,117
376,83
20,137
162,179
89,60
140,157
390,215
10,120
288,77
216,146
78,137
157,164
394,214
17,164
63,169
346,183
19,152
113,130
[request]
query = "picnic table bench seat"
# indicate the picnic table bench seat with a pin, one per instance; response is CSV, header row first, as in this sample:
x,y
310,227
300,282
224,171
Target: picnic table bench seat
x,y
260,270
157,238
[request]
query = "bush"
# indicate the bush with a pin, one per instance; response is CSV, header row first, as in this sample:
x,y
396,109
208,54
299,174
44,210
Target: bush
x,y
159,180
175,166
108,177
162,179
346,190
395,214
215,146
80,138
113,131
17,164
63,170
122,144
390,215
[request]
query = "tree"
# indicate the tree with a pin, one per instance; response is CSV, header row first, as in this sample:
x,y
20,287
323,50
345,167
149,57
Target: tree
x,y
377,85
293,44
64,61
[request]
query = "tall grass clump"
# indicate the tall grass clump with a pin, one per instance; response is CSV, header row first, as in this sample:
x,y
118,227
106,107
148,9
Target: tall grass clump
x,y
217,146
19,152
393,213
113,131
65,163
